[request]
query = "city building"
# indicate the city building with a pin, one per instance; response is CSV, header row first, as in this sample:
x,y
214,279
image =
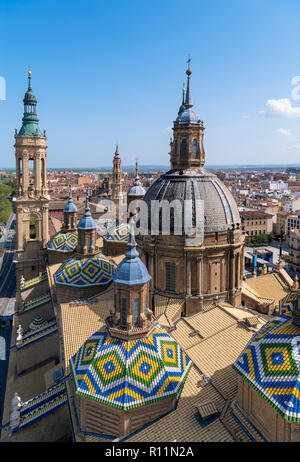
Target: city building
x,y
255,222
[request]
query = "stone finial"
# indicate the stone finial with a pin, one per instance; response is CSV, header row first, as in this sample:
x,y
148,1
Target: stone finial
x,y
14,415
264,269
254,275
16,402
279,264
19,339
14,419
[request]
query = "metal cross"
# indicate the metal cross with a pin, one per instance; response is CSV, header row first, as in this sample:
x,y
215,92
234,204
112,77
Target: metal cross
x,y
189,60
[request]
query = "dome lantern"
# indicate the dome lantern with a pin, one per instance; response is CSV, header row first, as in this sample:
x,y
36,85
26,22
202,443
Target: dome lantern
x,y
30,119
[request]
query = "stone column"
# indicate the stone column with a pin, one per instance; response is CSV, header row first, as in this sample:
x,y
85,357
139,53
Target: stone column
x,y
17,174
188,276
25,172
37,173
151,267
199,276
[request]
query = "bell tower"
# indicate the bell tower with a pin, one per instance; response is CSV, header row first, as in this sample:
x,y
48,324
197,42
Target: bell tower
x,y
117,176
32,199
187,149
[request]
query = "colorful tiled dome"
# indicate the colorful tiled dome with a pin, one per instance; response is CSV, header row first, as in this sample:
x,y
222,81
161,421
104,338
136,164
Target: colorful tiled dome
x,y
271,362
118,234
85,272
128,374
63,242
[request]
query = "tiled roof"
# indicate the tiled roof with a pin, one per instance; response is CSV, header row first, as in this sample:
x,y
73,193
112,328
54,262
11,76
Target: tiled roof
x,y
37,302
41,405
117,234
127,374
271,285
63,242
84,272
47,328
32,282
271,362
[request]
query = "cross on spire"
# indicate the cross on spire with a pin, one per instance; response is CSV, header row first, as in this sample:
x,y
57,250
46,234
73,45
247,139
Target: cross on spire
x,y
188,61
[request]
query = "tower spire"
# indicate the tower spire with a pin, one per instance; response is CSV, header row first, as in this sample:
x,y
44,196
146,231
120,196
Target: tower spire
x,y
30,119
29,81
188,98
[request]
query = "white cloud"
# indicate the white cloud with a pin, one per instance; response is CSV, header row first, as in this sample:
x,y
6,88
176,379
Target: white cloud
x,y
246,116
284,131
168,129
280,108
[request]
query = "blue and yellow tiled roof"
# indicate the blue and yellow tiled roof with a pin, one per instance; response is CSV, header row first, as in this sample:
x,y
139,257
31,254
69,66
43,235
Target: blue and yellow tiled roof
x,y
30,305
84,272
127,374
32,335
117,234
34,281
271,362
41,405
63,242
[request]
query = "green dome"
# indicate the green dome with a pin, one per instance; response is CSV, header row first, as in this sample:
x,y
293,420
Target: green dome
x,y
30,126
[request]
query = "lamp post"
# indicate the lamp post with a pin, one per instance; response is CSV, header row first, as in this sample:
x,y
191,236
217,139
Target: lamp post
x,y
281,239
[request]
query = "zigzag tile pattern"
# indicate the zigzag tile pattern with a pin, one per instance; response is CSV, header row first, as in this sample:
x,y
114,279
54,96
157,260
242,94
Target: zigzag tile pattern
x,y
128,374
118,234
84,272
271,362
63,242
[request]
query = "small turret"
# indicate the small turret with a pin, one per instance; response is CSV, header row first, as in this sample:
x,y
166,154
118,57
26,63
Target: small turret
x,y
87,231
70,214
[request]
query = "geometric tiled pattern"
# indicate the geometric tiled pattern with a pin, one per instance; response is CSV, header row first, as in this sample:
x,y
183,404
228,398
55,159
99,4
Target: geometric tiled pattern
x,y
47,328
83,272
36,302
271,362
37,323
32,282
63,242
41,405
118,234
127,374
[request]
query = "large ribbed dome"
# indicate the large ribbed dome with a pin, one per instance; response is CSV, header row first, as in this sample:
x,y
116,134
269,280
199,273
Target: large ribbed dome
x,y
220,210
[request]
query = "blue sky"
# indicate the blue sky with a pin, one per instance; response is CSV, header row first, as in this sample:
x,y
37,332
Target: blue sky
x,y
112,72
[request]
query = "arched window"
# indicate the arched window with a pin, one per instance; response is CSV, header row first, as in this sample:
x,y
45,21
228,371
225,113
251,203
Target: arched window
x,y
89,243
72,222
31,171
32,228
195,146
123,313
184,146
136,311
170,269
